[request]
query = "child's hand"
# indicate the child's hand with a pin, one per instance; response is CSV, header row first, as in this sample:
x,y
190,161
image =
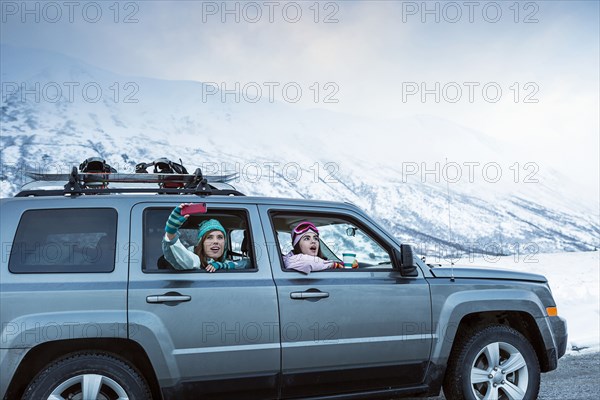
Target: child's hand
x,y
337,265
355,264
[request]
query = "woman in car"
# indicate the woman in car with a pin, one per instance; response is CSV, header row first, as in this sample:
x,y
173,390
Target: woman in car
x,y
210,253
306,255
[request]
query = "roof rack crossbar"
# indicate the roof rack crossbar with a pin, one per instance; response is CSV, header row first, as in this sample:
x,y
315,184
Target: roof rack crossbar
x,y
74,192
189,179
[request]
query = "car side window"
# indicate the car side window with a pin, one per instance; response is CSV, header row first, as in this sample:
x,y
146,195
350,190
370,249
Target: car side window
x,y
234,221
347,238
341,239
65,240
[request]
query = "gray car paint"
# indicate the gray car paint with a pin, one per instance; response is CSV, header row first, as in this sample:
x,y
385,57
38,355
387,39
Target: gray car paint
x,y
32,306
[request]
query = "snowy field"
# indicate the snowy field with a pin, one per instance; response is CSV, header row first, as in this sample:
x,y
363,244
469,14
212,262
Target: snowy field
x,y
575,282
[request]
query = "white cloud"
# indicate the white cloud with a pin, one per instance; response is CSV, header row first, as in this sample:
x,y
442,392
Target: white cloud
x,y
373,49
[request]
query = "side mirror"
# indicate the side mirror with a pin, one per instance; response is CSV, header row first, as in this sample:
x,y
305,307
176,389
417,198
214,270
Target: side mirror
x,y
407,262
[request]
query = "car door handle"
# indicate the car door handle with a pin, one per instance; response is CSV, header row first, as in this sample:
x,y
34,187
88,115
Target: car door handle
x,y
308,295
168,298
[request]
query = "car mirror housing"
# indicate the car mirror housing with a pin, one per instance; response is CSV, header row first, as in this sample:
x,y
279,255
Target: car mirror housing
x,y
407,263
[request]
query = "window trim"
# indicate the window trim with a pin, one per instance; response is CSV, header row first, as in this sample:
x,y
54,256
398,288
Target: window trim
x,y
252,253
65,271
273,213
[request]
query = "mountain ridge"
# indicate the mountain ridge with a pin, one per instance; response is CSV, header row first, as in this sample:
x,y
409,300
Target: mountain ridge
x,y
285,151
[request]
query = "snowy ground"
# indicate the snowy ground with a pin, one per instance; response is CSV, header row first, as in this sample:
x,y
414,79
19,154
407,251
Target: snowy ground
x,y
575,282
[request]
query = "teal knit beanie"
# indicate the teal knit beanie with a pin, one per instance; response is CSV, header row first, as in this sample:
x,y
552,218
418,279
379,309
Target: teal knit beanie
x,y
210,225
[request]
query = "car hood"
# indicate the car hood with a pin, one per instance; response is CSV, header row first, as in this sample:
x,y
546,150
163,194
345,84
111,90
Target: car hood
x,y
485,273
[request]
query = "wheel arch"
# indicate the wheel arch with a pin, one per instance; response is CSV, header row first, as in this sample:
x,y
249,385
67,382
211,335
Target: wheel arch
x,y
467,308
521,321
43,354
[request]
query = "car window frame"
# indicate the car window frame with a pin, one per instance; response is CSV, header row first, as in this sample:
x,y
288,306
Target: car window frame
x,y
349,218
113,247
213,209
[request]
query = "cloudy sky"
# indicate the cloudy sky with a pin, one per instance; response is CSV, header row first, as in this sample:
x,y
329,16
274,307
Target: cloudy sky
x,y
523,72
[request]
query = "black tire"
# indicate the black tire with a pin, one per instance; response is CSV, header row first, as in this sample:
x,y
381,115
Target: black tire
x,y
471,372
65,378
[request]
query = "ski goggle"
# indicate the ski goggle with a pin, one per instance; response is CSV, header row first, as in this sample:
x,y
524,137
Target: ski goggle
x,y
303,227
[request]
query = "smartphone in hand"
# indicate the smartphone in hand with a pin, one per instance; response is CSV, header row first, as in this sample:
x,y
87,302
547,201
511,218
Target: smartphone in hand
x,y
199,208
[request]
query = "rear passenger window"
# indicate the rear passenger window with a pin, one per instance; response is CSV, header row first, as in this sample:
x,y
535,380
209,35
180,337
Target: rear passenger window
x,y
65,240
235,223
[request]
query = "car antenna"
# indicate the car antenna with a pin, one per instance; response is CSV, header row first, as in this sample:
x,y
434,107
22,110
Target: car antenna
x,y
449,225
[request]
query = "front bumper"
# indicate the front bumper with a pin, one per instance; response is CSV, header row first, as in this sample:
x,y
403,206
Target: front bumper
x,y
559,327
558,346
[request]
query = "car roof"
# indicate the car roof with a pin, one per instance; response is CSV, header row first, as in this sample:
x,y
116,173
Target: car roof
x,y
142,198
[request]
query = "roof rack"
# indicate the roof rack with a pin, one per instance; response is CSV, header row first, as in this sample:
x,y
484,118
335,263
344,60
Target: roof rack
x,y
97,183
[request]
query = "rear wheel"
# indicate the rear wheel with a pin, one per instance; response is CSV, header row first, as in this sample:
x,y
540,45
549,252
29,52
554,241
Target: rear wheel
x,y
88,376
496,362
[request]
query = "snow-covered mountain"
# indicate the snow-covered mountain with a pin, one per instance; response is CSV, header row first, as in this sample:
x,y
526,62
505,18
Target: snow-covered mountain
x,y
440,186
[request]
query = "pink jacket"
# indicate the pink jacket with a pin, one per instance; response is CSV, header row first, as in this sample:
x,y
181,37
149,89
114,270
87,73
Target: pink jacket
x,y
305,263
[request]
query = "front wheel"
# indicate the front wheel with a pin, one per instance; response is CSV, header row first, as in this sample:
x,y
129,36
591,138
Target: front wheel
x,y
88,376
496,362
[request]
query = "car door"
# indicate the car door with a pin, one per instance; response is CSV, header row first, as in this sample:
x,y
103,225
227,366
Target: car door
x,y
349,330
205,333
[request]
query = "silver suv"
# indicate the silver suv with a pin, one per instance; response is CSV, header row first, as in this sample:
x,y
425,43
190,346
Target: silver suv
x,y
91,310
